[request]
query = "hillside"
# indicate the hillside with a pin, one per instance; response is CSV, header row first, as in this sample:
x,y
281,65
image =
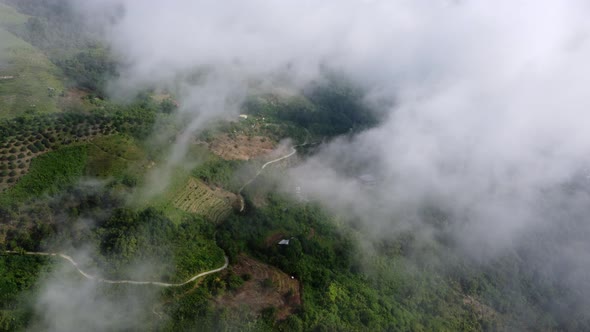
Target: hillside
x,y
298,195
29,82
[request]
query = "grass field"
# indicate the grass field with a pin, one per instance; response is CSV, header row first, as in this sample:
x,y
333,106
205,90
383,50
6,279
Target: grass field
x,y
10,16
28,80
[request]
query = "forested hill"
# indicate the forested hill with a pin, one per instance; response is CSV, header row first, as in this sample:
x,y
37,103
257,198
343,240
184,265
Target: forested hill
x,y
97,179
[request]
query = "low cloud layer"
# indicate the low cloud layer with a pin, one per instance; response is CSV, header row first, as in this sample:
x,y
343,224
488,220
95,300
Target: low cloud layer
x,y
490,120
69,302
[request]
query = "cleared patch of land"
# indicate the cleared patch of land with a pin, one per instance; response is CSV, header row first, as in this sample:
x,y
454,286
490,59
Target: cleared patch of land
x,y
267,287
73,100
196,197
241,147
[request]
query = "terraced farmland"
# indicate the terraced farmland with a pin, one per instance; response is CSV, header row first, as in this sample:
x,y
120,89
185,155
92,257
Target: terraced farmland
x,y
197,197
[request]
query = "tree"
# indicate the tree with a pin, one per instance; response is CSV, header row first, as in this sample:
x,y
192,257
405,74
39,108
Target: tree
x,y
168,106
292,324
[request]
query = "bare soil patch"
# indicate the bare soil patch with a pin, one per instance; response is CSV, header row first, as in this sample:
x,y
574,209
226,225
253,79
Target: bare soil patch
x,y
267,287
241,147
73,98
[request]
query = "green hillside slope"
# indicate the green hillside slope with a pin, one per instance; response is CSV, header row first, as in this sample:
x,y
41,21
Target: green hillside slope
x,y
29,82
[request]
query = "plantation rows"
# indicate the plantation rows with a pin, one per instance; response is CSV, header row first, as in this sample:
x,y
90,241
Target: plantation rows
x,y
23,138
197,198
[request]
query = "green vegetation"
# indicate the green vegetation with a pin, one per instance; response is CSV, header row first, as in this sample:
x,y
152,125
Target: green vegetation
x,y
47,144
90,70
207,190
26,137
29,82
198,198
326,110
9,16
44,49
48,174
122,238
19,275
113,155
219,172
52,26
337,296
181,250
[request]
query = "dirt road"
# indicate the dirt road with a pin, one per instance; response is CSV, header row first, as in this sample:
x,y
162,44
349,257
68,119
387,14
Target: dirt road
x,y
131,282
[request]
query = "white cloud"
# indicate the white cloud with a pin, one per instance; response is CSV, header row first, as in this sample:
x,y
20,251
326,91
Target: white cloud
x,y
491,97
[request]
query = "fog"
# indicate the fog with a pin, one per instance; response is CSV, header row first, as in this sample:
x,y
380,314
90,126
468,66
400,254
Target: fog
x,y
489,99
490,121
66,301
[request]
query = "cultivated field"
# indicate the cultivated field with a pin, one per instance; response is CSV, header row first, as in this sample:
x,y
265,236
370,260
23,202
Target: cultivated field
x,y
197,197
23,139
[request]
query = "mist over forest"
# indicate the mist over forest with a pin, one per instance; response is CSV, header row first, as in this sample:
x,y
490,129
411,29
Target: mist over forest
x,y
296,166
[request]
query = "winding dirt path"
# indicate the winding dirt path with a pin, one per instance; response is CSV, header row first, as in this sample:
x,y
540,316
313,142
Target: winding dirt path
x,y
131,282
294,151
